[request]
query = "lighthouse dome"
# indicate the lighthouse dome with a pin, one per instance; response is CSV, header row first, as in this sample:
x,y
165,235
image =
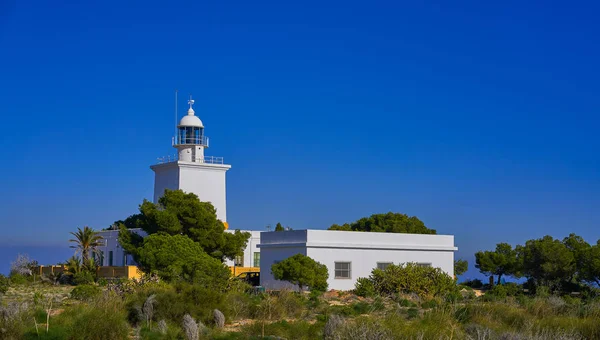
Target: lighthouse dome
x,y
190,120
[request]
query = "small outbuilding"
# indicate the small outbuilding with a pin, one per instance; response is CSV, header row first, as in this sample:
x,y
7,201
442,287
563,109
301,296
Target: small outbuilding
x,y
349,255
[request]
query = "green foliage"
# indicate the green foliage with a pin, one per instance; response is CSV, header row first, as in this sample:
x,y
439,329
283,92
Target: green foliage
x,y
279,227
412,313
301,330
432,303
389,223
86,242
502,261
364,287
177,257
403,302
172,303
475,283
17,279
179,213
85,292
460,267
412,278
83,278
547,261
502,291
303,271
4,283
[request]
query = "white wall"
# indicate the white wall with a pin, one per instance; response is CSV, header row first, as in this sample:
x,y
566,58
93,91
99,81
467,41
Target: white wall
x,y
269,257
362,250
166,176
111,243
363,261
208,182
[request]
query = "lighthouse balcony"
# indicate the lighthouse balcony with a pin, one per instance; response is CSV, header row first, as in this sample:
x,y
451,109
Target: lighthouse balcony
x,y
205,159
190,139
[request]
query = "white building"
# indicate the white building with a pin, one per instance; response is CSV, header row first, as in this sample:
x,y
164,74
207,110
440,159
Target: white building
x,y
349,255
190,170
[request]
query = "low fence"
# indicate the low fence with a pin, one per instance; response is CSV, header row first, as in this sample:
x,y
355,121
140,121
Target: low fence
x,y
130,272
105,272
239,270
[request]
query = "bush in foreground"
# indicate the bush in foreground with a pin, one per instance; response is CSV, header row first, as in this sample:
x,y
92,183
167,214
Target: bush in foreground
x,y
85,292
408,278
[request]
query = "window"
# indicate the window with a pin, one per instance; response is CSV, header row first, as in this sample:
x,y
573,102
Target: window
x,y
257,259
124,258
383,265
101,257
110,258
343,270
423,264
239,261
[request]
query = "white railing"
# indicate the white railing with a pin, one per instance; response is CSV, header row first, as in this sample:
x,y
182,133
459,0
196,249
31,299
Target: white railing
x,y
205,159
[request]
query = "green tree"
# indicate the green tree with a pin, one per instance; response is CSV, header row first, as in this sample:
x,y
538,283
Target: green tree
x,y
4,283
177,257
279,227
179,213
388,223
86,242
303,271
581,253
592,271
547,261
460,267
502,261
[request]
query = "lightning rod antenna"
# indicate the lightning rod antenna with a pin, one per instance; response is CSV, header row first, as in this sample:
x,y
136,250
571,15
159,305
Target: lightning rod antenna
x,y
175,136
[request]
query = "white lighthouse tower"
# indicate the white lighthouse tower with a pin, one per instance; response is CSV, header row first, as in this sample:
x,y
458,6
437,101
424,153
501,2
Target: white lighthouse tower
x,y
190,170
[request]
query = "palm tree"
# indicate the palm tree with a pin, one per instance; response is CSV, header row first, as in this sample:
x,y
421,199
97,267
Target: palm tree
x,y
87,241
73,265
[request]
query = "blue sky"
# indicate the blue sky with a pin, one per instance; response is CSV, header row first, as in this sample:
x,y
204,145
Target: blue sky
x,y
481,119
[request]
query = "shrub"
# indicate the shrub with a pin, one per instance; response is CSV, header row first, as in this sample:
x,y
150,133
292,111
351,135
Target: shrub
x,y
291,304
502,291
476,283
17,279
283,330
99,323
429,304
3,284
364,287
402,302
100,320
85,292
412,313
83,278
363,328
412,278
12,320
302,271
173,302
332,326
